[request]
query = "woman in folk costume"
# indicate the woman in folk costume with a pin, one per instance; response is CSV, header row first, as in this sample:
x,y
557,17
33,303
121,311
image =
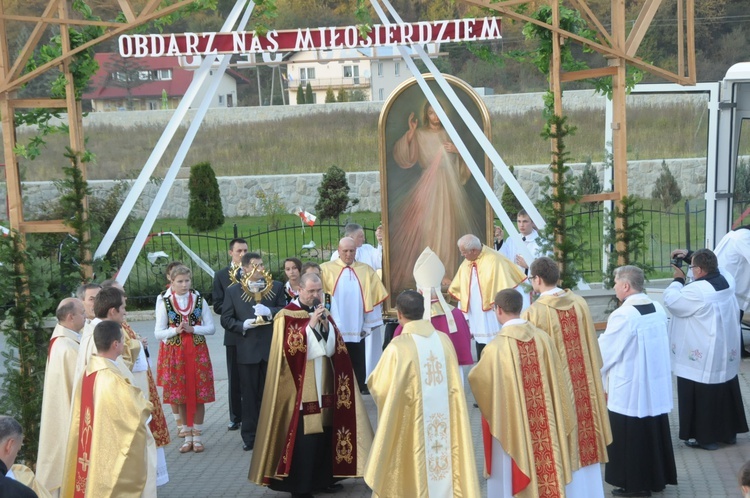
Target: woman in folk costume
x,y
293,271
184,368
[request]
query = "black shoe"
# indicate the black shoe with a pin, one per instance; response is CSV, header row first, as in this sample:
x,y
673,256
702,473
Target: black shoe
x,y
302,495
248,447
233,426
622,492
476,405
692,443
364,392
731,440
333,488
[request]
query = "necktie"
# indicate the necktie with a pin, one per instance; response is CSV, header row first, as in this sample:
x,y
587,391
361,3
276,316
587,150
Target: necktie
x,y
523,238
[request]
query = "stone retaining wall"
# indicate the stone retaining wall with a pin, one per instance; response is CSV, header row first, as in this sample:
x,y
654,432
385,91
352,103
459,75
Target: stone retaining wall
x,y
239,199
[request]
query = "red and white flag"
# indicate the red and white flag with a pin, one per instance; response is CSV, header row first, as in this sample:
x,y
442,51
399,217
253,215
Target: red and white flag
x,y
308,218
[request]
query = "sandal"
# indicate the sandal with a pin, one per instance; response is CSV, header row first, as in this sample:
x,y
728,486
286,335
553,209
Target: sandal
x,y
182,431
187,446
197,443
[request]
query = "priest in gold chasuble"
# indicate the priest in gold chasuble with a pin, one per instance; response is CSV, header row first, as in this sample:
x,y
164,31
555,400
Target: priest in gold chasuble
x,y
423,444
58,391
106,453
313,428
526,407
567,319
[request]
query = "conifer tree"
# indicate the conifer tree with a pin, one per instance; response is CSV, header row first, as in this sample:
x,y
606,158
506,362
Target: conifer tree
x,y
333,194
309,98
510,202
666,189
330,97
300,95
205,212
342,96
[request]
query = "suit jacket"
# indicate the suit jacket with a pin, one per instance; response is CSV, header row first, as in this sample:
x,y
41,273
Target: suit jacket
x,y
221,283
253,345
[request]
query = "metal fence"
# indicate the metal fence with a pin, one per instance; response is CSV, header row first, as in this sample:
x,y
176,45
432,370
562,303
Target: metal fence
x,y
682,226
275,244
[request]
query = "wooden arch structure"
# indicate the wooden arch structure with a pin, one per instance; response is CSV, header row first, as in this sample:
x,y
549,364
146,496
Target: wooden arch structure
x,y
618,46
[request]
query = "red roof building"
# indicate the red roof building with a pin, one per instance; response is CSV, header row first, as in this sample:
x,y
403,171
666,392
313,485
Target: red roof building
x,y
149,83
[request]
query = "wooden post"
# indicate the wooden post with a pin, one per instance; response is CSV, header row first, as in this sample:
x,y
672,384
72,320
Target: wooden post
x,y
75,124
556,89
619,117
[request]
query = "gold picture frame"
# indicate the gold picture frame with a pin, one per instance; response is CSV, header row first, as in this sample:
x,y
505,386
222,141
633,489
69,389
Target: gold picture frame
x,y
428,195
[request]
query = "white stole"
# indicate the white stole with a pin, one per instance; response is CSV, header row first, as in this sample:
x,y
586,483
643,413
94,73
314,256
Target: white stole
x,y
436,414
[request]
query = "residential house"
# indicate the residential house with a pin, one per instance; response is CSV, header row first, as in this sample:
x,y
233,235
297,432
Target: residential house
x,y
149,83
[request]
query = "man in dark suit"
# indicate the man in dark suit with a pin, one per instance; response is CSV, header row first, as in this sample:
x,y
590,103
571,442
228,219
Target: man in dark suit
x,y
222,280
247,314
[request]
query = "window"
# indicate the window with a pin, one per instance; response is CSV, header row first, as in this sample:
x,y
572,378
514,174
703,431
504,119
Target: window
x,y
165,74
153,105
380,94
352,72
306,73
221,99
398,69
380,69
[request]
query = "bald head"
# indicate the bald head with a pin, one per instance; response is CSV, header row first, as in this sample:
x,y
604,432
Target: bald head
x,y
347,250
71,314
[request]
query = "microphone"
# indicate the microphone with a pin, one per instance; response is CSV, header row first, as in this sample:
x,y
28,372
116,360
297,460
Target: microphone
x,y
316,304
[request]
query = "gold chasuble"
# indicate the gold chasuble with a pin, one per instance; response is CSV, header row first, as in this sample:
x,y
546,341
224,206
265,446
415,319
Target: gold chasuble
x,y
158,423
106,453
567,319
521,391
423,444
495,272
58,391
290,389
373,290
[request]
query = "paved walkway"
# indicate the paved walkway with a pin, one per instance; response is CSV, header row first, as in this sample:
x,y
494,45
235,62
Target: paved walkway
x,y
222,469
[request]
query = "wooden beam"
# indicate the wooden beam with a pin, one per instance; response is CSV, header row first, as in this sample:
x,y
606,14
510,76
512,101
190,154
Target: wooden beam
x,y
44,226
604,196
603,49
642,23
38,103
690,8
30,45
583,6
11,84
149,7
55,20
680,38
127,10
585,74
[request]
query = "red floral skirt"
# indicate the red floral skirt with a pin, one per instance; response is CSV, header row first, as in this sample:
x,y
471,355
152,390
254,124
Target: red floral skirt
x,y
170,373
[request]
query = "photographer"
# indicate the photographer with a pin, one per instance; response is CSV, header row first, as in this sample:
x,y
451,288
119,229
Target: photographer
x,y
705,351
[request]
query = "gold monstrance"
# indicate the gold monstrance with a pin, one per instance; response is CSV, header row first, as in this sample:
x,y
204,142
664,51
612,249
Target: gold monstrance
x,y
257,289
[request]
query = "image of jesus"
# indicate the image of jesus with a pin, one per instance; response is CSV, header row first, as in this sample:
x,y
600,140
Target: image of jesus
x,y
435,211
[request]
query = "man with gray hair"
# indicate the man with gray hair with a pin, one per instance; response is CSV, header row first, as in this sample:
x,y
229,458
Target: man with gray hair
x,y
11,440
638,381
705,344
366,253
482,274
59,375
87,294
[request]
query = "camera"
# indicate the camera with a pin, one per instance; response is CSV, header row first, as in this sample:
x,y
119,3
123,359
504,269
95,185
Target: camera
x,y
678,260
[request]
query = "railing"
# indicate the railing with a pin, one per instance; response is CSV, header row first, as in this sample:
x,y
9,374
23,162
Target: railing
x,y
353,81
667,230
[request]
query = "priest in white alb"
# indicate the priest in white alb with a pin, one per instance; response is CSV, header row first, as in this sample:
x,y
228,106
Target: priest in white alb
x,y
58,392
356,291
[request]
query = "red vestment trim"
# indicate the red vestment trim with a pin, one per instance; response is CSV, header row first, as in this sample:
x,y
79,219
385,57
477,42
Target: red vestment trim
x,y
587,448
85,433
487,440
539,426
342,402
49,349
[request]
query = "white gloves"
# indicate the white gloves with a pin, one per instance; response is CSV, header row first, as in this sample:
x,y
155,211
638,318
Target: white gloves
x,y
262,310
248,324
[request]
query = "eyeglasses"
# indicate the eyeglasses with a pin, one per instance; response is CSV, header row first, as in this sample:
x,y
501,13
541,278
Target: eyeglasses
x,y
690,267
531,277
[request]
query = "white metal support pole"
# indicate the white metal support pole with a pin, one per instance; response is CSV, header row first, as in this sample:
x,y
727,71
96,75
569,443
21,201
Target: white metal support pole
x,y
174,168
161,146
476,131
